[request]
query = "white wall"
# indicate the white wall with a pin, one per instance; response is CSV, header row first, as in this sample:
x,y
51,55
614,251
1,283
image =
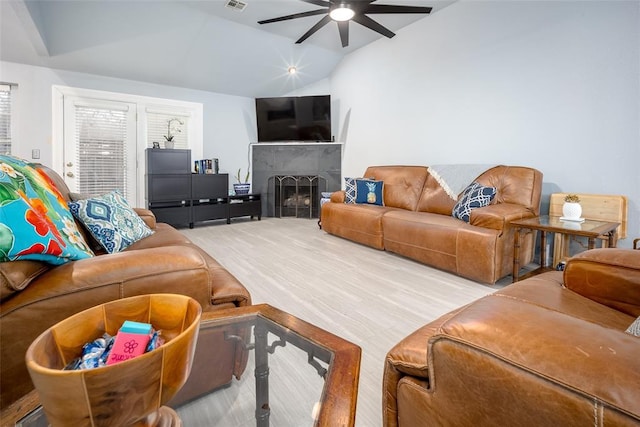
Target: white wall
x,y
229,121
551,85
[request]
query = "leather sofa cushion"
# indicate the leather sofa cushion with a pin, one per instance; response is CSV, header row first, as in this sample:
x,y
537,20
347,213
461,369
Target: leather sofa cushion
x,y
515,185
16,275
608,276
434,199
402,184
360,223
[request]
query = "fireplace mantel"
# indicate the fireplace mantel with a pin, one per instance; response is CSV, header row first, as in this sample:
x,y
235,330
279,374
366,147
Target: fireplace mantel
x,y
323,159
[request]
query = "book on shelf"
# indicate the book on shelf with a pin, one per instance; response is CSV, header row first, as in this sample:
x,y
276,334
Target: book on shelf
x,y
209,166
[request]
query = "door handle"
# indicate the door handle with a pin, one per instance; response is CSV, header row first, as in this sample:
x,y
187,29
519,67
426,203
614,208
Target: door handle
x,y
70,174
69,164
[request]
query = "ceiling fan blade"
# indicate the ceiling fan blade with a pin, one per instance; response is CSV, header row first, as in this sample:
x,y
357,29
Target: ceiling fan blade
x,y
294,16
385,8
318,2
343,28
321,23
373,25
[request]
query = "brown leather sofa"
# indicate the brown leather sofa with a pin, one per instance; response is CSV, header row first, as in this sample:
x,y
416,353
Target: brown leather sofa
x,y
548,351
416,220
36,295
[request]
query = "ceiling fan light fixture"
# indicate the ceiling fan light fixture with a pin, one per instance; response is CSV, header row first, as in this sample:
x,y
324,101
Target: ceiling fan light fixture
x,y
341,12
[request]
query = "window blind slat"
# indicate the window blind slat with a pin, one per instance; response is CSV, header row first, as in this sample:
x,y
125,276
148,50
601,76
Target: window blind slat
x,y
5,119
101,149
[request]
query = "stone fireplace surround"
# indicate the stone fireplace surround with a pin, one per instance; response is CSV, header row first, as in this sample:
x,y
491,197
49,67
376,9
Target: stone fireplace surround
x,y
323,159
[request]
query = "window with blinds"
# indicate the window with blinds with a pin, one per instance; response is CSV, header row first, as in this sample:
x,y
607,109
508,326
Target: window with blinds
x,y
163,125
101,152
5,119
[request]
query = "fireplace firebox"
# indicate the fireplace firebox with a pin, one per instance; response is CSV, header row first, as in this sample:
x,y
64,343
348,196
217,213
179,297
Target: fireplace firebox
x,y
268,160
297,195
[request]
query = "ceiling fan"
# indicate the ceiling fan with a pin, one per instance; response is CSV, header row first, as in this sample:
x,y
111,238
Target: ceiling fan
x,y
343,11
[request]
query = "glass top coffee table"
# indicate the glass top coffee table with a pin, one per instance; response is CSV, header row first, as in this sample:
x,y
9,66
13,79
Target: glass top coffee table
x,y
297,375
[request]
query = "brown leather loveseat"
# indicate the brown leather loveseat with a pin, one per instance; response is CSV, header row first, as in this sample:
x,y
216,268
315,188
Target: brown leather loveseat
x,y
551,350
416,220
36,295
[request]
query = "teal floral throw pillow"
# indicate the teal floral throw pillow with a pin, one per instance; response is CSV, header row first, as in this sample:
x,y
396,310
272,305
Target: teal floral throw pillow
x,y
35,222
111,221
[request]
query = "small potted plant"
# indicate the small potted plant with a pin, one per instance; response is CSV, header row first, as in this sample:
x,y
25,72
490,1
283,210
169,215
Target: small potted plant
x,y
169,143
242,187
571,208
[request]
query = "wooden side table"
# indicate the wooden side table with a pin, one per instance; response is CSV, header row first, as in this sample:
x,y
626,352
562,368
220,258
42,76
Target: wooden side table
x,y
545,224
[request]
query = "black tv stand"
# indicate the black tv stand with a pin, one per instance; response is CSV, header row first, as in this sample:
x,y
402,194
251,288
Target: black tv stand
x,y
178,197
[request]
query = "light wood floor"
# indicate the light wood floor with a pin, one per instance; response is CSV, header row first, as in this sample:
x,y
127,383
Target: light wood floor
x,y
369,297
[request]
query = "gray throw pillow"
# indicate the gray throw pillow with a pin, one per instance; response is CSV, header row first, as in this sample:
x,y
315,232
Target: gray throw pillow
x,y
634,328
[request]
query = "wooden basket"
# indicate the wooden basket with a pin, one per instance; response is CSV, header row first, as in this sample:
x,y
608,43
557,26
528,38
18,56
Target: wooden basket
x,y
128,392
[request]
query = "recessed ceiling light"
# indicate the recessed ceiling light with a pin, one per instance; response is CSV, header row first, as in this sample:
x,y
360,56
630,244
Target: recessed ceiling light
x,y
292,70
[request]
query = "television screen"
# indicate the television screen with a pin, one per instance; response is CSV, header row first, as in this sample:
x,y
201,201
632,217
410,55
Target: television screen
x,y
301,118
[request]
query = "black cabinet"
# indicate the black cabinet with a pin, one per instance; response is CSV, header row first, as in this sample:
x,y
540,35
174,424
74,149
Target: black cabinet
x,y
245,205
171,162
209,197
179,197
168,185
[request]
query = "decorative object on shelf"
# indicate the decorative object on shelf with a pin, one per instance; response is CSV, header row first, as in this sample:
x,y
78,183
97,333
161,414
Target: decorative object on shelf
x,y
571,209
242,187
156,145
131,392
169,143
207,166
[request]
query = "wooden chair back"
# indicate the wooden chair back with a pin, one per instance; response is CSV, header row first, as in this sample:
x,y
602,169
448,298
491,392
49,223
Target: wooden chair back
x,y
597,207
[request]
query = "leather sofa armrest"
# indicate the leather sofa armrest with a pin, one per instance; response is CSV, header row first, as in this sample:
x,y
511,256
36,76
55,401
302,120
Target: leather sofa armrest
x,y
75,286
408,358
84,283
227,289
608,276
482,356
498,216
147,216
337,196
483,348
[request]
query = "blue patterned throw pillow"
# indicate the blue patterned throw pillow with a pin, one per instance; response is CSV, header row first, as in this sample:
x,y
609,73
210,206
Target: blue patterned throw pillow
x,y
474,196
349,190
111,221
369,192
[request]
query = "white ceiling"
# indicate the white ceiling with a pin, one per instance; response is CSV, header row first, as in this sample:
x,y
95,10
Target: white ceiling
x,y
197,44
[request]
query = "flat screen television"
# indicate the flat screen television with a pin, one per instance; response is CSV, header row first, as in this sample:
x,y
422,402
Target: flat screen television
x,y
294,118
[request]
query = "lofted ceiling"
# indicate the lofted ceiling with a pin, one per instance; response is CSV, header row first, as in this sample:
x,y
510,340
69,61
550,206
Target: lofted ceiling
x,y
200,44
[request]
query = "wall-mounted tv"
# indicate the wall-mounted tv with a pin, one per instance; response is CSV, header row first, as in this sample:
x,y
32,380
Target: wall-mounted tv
x,y
294,118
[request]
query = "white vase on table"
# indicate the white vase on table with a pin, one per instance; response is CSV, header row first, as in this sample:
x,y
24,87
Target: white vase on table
x,y
571,210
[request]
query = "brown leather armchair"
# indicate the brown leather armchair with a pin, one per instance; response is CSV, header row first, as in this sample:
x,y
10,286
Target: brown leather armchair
x,y
35,296
550,350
